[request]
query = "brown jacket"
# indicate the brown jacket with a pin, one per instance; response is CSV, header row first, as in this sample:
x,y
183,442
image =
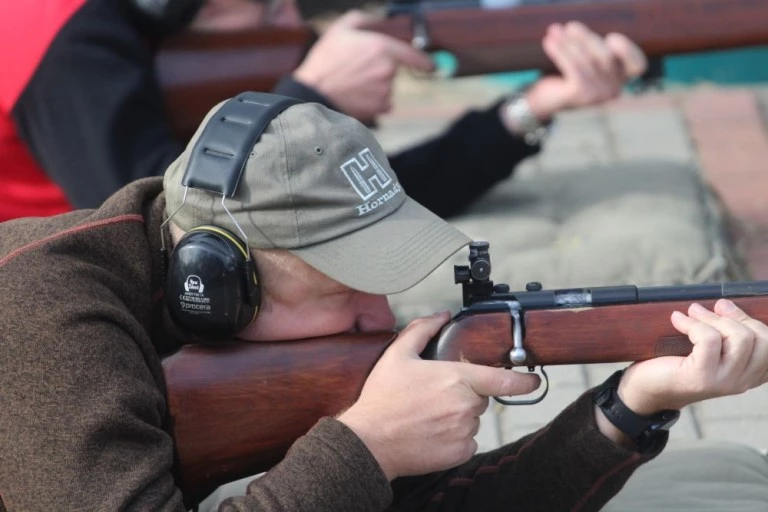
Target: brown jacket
x,y
83,416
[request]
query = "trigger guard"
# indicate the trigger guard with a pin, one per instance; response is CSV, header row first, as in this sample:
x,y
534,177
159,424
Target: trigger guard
x,y
529,401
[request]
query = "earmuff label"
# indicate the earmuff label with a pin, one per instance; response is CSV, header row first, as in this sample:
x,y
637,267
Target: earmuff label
x,y
194,300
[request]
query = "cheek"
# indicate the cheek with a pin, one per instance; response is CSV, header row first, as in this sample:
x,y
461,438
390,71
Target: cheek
x,y
282,324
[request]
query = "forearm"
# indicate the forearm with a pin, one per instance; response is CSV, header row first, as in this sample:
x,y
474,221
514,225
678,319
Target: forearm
x,y
328,469
568,465
449,172
288,86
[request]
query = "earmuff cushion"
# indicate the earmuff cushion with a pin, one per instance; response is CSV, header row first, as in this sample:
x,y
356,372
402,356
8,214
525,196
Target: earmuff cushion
x,y
207,287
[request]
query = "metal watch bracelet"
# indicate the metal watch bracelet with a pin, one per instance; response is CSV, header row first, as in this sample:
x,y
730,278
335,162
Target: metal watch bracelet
x,y
518,111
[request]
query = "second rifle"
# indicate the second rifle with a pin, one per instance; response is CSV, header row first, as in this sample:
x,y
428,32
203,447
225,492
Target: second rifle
x,y
199,69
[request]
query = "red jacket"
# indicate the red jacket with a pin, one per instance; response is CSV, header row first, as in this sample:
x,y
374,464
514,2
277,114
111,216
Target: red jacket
x,y
80,100
27,29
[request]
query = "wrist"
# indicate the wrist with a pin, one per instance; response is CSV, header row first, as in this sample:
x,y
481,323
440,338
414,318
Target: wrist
x,y
610,431
519,119
637,396
358,426
306,78
541,103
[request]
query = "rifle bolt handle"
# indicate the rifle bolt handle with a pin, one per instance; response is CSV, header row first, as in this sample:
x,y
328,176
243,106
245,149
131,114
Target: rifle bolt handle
x,y
518,355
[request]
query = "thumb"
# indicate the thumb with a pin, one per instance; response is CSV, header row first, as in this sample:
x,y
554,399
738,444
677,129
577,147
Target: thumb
x,y
487,381
412,340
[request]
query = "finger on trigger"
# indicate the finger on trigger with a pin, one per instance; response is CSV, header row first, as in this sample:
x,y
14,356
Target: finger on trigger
x,y
632,59
406,55
488,381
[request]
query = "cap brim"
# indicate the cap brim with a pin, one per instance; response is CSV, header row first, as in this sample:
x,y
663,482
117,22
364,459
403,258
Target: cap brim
x,y
388,256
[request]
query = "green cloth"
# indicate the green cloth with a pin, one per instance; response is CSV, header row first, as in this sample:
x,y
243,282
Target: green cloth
x,y
699,476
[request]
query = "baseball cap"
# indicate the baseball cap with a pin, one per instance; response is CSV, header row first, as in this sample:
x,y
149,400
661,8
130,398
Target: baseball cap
x,y
318,184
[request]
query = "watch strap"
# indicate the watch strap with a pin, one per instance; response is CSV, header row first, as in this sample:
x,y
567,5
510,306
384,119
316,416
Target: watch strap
x,y
642,430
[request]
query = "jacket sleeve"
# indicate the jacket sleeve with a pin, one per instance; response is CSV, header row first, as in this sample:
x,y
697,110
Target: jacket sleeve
x,y
330,469
93,114
450,171
567,465
83,410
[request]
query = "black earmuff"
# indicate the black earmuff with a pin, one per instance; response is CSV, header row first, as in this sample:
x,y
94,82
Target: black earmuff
x,y
163,17
212,288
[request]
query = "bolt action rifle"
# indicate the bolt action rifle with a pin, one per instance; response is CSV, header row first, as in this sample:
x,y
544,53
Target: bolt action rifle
x,y
236,408
199,69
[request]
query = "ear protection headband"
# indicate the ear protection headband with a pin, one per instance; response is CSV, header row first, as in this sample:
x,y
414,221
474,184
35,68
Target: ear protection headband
x,y
164,16
212,287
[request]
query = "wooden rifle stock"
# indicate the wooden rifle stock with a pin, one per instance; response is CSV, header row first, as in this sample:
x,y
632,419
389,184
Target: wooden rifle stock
x,y
237,408
198,70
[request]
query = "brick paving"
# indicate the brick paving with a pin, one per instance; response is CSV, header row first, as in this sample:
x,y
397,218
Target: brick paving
x,y
721,130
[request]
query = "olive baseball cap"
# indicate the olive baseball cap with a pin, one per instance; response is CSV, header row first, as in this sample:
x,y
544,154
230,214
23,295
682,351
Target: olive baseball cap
x,y
318,184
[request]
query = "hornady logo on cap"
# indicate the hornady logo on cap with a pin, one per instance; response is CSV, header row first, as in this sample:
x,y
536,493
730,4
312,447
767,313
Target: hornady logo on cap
x,y
370,180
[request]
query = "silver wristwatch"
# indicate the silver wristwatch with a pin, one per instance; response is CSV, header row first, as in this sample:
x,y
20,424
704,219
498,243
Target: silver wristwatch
x,y
519,112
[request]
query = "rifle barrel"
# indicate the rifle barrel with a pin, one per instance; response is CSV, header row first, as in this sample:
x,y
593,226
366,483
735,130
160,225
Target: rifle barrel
x,y
629,294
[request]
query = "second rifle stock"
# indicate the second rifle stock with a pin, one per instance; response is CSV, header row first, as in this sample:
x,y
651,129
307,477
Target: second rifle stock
x,y
237,408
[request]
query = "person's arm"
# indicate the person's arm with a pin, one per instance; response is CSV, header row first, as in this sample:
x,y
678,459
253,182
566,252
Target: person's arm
x,y
85,427
567,465
93,114
450,171
581,459
328,469
84,415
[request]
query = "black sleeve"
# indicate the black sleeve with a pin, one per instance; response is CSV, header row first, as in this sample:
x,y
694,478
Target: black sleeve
x,y
567,465
448,172
93,113
287,86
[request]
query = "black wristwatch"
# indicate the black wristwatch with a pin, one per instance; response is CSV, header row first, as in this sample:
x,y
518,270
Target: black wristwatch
x,y
642,430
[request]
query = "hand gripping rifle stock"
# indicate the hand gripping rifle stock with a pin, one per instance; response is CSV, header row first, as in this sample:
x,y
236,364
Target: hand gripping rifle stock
x,y
236,408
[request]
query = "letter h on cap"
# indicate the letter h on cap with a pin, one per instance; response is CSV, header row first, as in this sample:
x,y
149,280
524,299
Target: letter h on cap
x,y
355,169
